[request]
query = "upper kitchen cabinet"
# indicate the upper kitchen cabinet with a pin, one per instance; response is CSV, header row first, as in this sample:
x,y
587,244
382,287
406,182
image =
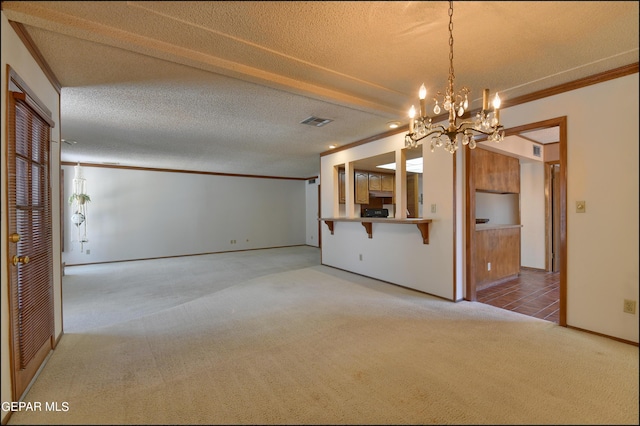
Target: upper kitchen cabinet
x,y
375,181
381,181
495,172
362,187
366,182
388,182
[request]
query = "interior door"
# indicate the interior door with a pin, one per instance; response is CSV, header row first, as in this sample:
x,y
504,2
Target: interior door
x,y
30,236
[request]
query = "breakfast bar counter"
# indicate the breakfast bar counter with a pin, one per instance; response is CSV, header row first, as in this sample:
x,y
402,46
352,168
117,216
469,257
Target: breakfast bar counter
x,y
367,223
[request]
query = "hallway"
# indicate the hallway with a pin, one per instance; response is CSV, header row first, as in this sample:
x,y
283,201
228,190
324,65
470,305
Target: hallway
x,y
534,293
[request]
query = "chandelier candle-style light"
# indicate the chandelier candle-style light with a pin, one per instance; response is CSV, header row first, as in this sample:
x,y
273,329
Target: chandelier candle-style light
x,y
486,122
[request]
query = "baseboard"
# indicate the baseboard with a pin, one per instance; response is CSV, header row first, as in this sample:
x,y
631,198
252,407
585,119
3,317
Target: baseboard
x,y
186,255
528,268
617,339
484,286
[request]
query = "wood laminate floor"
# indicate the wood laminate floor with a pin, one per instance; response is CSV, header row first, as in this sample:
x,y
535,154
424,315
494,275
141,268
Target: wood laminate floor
x,y
534,293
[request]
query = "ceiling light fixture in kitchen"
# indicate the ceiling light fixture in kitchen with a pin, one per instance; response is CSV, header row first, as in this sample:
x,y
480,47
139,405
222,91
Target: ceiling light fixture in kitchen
x,y
486,122
414,165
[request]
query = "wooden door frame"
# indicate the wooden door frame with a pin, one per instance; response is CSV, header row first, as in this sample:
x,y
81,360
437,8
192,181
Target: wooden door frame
x,y
552,190
470,285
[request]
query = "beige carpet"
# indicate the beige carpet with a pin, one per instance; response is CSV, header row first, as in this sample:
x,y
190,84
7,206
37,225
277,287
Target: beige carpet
x,y
272,337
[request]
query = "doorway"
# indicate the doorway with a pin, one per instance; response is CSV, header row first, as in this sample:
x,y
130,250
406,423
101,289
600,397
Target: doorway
x,y
553,267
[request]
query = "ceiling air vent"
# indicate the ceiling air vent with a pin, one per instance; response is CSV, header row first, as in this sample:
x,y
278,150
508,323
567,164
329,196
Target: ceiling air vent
x,y
536,151
315,121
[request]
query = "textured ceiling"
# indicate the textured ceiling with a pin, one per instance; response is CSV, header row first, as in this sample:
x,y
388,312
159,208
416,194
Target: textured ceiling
x,y
223,86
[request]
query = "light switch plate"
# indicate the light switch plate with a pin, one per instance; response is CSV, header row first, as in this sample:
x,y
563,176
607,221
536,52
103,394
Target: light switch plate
x,y
581,206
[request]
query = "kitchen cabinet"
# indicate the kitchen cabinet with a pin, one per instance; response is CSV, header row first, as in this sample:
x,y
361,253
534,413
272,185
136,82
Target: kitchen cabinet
x,y
388,182
362,187
365,182
413,207
497,254
495,172
341,187
381,182
375,182
493,248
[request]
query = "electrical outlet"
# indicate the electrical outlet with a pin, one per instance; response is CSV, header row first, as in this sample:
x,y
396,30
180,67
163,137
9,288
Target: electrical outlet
x,y
360,257
629,306
88,251
488,266
434,208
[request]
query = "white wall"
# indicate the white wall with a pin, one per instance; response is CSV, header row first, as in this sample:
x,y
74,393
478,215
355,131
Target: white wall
x,y
396,252
17,56
602,169
312,212
532,215
139,214
602,244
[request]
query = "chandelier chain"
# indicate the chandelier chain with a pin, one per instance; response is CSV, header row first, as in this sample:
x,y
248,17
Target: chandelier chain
x,y
451,73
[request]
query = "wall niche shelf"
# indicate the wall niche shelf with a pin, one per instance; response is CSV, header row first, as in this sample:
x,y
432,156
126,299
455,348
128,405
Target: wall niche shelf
x,y
367,223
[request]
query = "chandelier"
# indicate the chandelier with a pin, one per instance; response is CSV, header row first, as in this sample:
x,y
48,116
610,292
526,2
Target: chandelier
x,y
486,122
